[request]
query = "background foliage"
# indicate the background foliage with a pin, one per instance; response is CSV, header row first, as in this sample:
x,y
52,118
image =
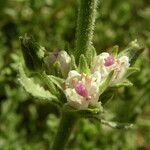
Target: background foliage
x,y
26,123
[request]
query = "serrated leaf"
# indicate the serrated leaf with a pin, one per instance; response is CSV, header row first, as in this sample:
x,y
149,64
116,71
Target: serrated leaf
x,y
83,65
106,82
32,88
125,83
133,51
116,125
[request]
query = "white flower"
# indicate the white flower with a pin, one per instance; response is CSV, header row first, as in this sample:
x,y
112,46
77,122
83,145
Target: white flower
x,y
82,90
62,57
105,63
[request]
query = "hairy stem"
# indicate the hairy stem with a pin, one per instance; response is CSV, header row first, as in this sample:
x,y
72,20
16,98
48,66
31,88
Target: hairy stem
x,y
85,26
67,123
84,35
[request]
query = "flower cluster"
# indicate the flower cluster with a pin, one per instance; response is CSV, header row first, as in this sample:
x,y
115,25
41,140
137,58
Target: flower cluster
x,y
83,90
84,82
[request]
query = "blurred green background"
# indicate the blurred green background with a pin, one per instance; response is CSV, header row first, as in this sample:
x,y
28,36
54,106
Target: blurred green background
x,y
29,124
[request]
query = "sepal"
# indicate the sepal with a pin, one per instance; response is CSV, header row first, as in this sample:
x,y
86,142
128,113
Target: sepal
x,y
90,54
73,63
83,65
59,82
106,82
50,85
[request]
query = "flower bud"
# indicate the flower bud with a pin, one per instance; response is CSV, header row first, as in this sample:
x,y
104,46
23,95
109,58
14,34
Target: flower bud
x,y
62,57
32,53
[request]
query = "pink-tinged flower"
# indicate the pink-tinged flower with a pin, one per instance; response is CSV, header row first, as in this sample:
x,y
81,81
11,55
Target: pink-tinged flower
x,y
105,63
82,90
62,57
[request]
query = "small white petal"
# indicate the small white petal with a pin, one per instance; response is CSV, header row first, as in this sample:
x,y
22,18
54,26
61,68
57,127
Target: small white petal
x,y
75,100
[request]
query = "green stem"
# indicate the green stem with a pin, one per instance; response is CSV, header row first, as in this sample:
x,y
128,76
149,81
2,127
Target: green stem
x,y
67,123
85,25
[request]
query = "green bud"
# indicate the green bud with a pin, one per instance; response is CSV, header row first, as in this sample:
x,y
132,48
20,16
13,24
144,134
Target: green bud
x,y
32,53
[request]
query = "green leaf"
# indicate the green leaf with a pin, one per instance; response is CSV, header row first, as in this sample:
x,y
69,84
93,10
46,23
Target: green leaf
x,y
32,88
133,51
117,125
83,66
125,83
106,82
131,70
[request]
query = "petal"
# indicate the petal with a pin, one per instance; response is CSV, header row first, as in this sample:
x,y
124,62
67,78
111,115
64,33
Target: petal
x,y
75,100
